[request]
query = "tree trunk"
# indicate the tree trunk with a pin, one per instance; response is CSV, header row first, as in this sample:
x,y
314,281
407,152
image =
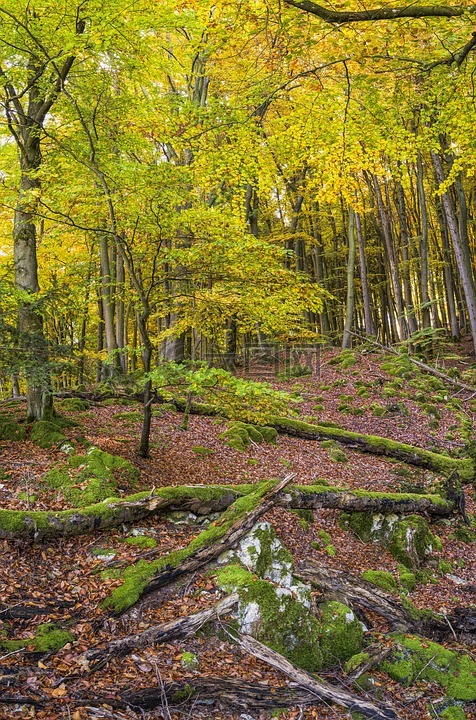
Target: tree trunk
x,y
350,304
461,248
424,266
366,295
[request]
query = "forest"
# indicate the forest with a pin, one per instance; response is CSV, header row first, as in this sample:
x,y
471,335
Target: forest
x,y
237,360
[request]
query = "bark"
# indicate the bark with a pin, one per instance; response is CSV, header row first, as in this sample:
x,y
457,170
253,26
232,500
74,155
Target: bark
x,y
350,304
424,266
366,295
448,272
195,499
228,540
404,236
107,301
376,655
382,13
460,247
225,692
357,592
322,690
162,633
391,259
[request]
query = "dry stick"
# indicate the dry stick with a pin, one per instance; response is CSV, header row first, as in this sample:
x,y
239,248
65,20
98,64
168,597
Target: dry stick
x,y
206,554
320,689
158,633
419,364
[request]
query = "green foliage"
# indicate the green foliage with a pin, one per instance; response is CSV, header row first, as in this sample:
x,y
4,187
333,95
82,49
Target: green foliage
x,y
381,578
232,396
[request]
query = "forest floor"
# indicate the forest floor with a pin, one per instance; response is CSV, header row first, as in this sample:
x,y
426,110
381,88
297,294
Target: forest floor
x,y
63,574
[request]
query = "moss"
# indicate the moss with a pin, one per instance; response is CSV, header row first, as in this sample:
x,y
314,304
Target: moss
x,y
284,624
130,416
342,633
48,638
356,661
182,695
74,404
411,541
143,541
407,579
202,451
47,434
137,576
426,660
337,455
454,712
381,578
345,359
10,430
252,461
437,462
252,432
189,660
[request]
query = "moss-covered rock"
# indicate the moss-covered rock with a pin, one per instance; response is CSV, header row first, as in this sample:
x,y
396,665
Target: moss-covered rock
x,y
453,712
412,542
408,539
47,434
415,658
143,541
10,430
408,579
273,616
342,633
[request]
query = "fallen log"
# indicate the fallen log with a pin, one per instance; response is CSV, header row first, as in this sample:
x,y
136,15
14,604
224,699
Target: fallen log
x,y
441,464
221,535
182,627
322,690
38,524
204,500
356,591
226,692
373,656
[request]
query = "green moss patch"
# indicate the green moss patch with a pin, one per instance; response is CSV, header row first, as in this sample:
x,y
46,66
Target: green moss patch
x,y
47,434
48,638
415,658
10,430
342,633
143,541
74,404
381,578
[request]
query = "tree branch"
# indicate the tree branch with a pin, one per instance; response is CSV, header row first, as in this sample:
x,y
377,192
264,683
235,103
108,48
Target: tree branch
x,y
383,13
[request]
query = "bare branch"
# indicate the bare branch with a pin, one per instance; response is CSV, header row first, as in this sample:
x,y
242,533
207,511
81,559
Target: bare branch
x,y
382,13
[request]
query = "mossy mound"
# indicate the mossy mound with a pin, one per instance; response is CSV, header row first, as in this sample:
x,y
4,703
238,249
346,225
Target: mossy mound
x,y
408,539
143,541
47,434
96,479
345,359
453,712
415,658
74,404
48,638
239,435
342,633
10,430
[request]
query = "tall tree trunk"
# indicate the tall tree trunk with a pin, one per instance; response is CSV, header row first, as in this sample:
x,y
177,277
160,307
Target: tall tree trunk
x,y
366,296
391,259
460,246
350,304
108,303
404,235
424,266
30,320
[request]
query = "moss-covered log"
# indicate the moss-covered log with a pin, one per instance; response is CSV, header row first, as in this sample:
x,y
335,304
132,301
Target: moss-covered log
x,y
409,454
204,500
146,577
38,524
315,497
